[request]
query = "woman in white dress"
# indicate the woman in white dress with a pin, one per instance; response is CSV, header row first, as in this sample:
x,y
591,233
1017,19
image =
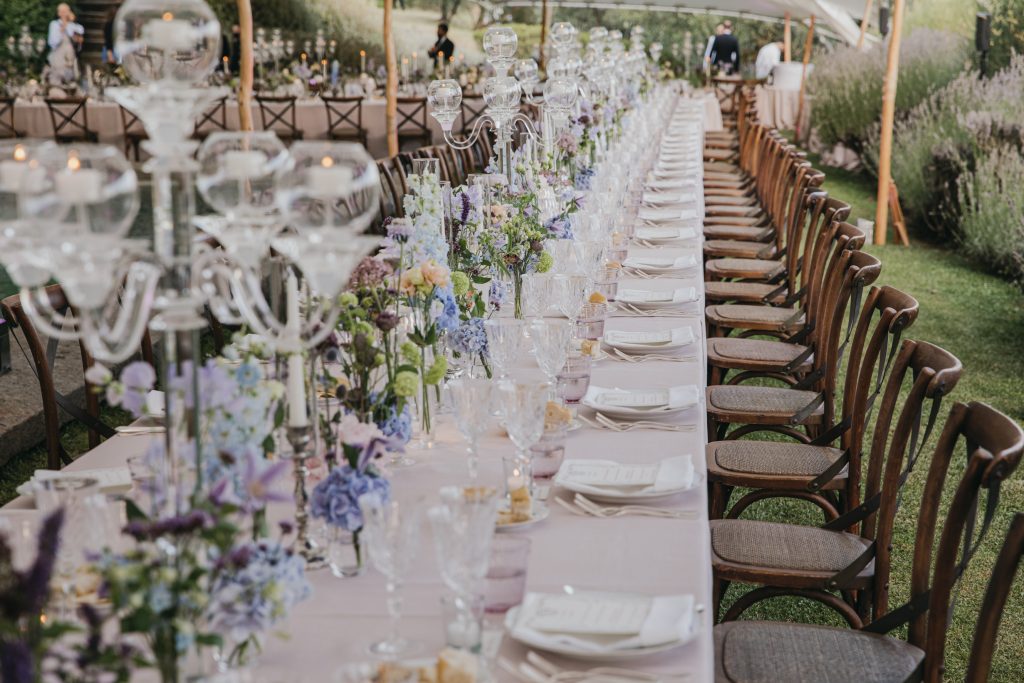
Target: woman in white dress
x,y
65,39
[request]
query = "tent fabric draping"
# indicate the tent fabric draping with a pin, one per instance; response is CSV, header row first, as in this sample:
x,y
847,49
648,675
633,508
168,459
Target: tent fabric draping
x,y
839,16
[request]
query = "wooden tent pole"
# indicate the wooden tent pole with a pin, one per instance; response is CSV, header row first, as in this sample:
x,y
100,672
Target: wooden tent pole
x,y
888,114
868,5
391,89
246,65
545,21
787,40
808,42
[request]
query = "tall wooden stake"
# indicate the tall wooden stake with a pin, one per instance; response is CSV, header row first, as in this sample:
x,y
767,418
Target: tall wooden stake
x,y
545,21
787,39
391,88
246,65
808,42
868,5
888,113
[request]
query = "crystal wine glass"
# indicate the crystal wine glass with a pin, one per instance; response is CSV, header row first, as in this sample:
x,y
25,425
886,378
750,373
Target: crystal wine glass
x,y
524,406
551,340
472,400
571,291
505,341
392,533
536,294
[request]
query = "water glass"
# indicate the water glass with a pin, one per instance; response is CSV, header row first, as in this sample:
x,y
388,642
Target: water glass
x,y
607,281
591,322
574,379
472,400
506,339
536,294
506,575
548,453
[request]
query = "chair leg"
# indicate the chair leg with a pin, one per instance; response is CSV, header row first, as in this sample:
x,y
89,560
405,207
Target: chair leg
x,y
718,499
718,590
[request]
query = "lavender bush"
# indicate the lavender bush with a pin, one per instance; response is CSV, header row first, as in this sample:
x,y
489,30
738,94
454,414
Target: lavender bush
x,y
846,84
992,198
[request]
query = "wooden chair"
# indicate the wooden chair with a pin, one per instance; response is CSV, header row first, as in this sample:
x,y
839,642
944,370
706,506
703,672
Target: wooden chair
x,y
412,122
345,118
7,129
390,194
43,355
134,134
810,406
805,653
842,555
277,114
213,120
70,119
979,666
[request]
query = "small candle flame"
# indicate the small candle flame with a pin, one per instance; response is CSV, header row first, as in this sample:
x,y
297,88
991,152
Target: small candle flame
x,y
362,53
327,162
168,16
74,163
19,153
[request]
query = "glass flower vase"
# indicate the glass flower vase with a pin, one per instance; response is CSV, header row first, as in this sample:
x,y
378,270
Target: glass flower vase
x,y
344,552
517,293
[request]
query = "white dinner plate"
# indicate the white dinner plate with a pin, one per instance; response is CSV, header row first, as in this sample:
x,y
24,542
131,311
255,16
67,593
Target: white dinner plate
x,y
590,655
632,343
612,495
539,513
677,399
645,298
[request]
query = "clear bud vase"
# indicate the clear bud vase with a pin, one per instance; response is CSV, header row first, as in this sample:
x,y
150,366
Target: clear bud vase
x,y
344,552
517,293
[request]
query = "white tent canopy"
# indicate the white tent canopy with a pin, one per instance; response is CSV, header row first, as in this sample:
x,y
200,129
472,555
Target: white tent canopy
x,y
836,15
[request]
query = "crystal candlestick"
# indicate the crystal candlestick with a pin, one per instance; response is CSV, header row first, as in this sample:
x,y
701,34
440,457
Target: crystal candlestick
x,y
300,439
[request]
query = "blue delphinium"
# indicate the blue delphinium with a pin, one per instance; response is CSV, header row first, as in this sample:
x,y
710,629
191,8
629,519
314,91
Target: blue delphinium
x,y
336,498
446,309
497,293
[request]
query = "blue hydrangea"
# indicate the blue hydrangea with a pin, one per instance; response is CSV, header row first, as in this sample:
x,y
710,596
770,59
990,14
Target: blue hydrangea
x,y
398,425
497,293
336,498
470,338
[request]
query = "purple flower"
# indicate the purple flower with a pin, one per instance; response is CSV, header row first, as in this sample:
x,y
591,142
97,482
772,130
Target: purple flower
x,y
560,228
496,293
377,448
336,498
371,272
256,485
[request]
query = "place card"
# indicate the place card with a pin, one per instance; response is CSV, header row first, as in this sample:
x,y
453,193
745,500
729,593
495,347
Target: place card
x,y
610,474
593,615
644,295
634,399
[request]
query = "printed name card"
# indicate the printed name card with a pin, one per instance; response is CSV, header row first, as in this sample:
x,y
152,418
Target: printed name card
x,y
616,336
611,474
634,399
597,615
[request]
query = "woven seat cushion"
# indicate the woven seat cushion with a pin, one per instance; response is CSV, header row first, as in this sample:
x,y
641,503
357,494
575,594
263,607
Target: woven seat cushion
x,y
735,349
738,249
773,545
737,199
722,167
741,291
732,210
776,652
773,458
772,402
723,266
745,233
775,316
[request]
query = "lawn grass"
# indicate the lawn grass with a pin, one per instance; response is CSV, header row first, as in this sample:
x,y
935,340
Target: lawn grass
x,y
980,319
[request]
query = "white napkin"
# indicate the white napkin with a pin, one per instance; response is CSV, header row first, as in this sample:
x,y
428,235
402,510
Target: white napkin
x,y
642,402
660,263
671,474
663,233
669,197
661,215
669,619
677,336
640,297
111,479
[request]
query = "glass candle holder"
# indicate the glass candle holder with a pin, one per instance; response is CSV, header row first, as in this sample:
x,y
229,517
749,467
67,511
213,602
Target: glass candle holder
x,y
506,573
607,282
591,321
574,379
549,452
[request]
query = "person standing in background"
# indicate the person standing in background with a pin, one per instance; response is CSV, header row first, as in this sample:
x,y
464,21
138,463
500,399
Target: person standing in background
x,y
725,51
767,58
443,46
65,39
707,50
109,55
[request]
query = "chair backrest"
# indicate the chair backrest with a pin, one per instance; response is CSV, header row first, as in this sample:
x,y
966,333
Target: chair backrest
x,y
130,122
278,114
344,114
7,129
979,666
42,357
412,116
390,194
69,116
213,119
473,107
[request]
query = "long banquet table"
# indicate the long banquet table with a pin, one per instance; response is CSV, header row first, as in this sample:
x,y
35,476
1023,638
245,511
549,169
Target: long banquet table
x,y
638,554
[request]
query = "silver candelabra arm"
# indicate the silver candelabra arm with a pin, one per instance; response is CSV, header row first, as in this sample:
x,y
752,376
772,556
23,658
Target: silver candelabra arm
x,y
474,134
234,294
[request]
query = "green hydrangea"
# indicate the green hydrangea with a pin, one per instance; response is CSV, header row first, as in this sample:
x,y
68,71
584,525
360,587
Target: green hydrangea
x,y
363,327
348,300
544,262
406,384
410,353
436,372
460,283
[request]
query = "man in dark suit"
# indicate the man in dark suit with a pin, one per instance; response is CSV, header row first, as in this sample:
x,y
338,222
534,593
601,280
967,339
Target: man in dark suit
x,y
725,51
442,46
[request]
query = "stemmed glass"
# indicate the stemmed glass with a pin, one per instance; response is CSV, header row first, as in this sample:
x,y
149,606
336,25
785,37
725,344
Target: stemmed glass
x,y
536,294
463,526
524,406
391,531
562,254
571,291
505,341
590,256
551,339
472,399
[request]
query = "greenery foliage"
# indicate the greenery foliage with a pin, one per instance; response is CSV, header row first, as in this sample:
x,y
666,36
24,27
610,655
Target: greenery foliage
x,y
32,13
1007,30
846,84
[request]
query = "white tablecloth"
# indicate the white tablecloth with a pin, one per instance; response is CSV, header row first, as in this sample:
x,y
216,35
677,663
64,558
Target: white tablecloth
x,y
778,108
641,554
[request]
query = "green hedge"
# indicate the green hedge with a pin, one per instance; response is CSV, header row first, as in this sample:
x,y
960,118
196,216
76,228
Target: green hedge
x,y
847,83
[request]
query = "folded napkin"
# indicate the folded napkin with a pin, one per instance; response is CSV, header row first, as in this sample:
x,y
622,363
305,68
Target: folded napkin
x,y
663,233
661,215
642,402
111,479
677,336
669,197
658,620
585,476
660,262
641,297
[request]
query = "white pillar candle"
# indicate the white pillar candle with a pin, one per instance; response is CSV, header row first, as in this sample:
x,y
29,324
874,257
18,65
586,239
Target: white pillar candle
x,y
168,33
11,175
362,61
296,387
328,179
82,186
239,164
